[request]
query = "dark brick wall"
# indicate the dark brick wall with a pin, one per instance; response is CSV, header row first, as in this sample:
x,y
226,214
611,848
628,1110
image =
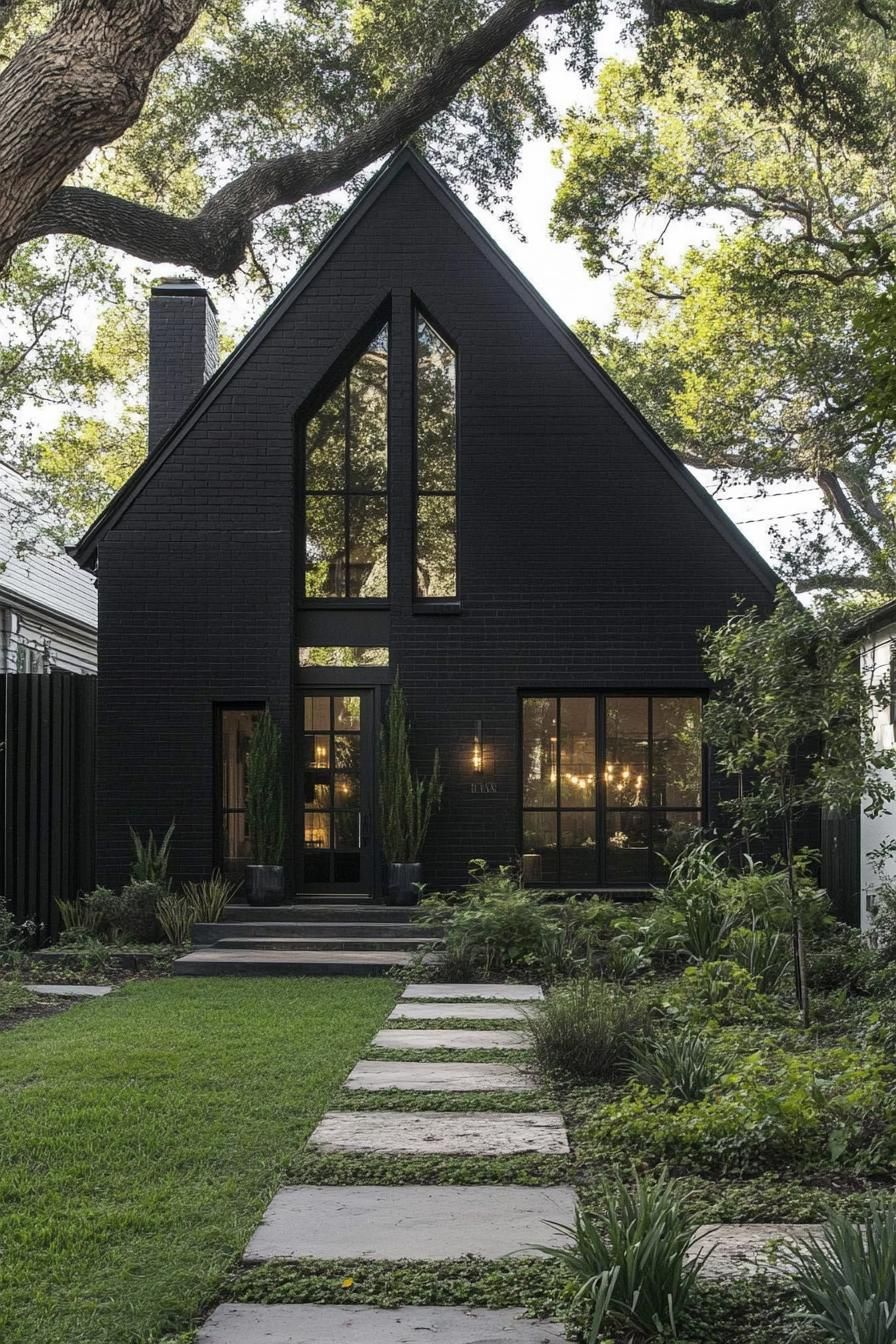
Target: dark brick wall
x,y
582,562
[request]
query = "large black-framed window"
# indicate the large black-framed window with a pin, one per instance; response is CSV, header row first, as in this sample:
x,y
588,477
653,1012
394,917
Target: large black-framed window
x,y
612,784
346,453
435,493
233,729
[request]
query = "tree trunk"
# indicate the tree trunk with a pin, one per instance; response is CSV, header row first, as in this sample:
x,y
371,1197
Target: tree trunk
x,y
77,85
800,964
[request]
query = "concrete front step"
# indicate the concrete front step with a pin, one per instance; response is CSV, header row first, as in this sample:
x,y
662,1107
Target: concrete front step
x,y
344,943
353,911
255,961
204,934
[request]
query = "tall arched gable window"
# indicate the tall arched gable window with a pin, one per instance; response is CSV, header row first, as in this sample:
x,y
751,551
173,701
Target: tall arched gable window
x,y
435,560
346,483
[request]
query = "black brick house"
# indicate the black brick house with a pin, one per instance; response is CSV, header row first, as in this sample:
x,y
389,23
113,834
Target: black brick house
x,y
409,463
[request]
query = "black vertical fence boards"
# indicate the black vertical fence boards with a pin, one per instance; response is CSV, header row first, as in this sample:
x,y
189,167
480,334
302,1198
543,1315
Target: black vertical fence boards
x,y
841,855
47,727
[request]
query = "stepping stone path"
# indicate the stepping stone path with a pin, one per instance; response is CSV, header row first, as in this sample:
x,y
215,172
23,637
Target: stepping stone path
x,y
410,1222
436,1222
440,1039
378,1075
417,1222
745,1249
474,1012
473,1134
72,991
238,1324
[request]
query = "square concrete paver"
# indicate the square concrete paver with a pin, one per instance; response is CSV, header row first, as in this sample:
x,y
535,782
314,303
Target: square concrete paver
x,y
72,991
239,1323
746,1248
410,1222
510,993
442,1039
382,1075
476,1012
480,1134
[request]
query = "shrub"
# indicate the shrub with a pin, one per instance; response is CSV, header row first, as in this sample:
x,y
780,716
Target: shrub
x,y
691,919
13,936
840,958
883,925
207,899
150,862
176,917
724,993
623,962
683,1064
846,1279
495,927
630,1260
587,1030
763,954
804,1112
77,916
127,916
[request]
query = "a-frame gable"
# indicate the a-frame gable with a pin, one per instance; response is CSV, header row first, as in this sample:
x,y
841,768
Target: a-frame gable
x,y
407,158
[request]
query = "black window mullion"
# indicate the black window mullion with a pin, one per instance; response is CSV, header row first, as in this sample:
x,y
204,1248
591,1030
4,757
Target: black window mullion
x,y
600,807
650,794
346,505
557,792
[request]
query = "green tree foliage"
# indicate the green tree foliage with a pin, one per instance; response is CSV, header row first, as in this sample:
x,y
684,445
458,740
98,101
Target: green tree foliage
x,y
754,351
794,720
260,112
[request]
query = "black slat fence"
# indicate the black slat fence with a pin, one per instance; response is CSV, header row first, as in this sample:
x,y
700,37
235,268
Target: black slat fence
x,y
47,753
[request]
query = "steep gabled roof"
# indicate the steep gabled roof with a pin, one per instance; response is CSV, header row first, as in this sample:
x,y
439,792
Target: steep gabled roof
x,y
85,550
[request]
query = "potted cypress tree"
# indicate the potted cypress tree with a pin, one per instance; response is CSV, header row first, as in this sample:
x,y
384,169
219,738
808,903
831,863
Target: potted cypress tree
x,y
406,803
264,813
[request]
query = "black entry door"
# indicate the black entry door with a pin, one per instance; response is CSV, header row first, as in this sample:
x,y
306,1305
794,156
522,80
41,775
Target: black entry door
x,y
337,789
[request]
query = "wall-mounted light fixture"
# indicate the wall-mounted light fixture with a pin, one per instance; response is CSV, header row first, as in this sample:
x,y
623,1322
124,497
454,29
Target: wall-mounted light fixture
x,y
477,747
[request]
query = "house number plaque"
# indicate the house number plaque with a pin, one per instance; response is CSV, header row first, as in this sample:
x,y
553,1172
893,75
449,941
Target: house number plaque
x,y
484,786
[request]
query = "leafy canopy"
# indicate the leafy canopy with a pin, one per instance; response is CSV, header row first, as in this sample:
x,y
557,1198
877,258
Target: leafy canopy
x,y
755,350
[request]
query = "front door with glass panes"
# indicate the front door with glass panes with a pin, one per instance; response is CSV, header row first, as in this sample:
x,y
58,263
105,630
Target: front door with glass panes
x,y
336,790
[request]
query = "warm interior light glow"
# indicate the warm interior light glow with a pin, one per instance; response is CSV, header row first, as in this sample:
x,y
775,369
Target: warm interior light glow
x,y
477,747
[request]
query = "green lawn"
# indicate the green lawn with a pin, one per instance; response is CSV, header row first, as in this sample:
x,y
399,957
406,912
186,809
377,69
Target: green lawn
x,y
142,1135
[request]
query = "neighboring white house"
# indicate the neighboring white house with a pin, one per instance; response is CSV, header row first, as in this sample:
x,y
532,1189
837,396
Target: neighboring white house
x,y
47,604
877,635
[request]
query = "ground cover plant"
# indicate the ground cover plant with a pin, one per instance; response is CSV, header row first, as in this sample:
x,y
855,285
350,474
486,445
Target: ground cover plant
x,y
673,1041
143,1135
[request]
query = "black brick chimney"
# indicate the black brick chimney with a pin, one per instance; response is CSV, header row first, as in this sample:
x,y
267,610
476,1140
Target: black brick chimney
x,y
183,350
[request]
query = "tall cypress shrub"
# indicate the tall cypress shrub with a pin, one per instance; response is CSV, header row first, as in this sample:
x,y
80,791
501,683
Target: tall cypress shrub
x,y
407,802
264,792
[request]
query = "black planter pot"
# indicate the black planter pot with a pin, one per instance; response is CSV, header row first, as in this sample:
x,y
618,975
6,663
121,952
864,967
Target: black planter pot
x,y
402,882
264,883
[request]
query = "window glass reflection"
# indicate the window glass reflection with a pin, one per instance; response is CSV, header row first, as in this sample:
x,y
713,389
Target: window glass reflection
x,y
611,785
677,752
578,752
436,457
627,758
346,472
539,752
436,555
